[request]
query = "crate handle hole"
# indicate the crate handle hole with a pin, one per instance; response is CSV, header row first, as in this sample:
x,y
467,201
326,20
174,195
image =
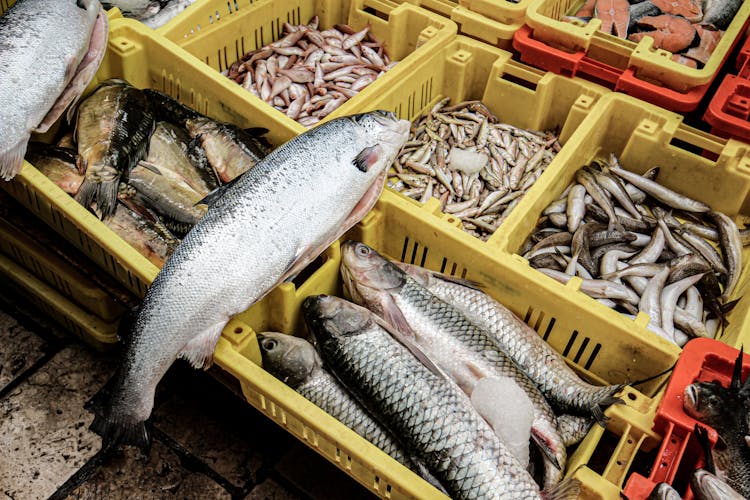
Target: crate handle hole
x,y
663,464
238,329
632,396
619,462
673,441
630,441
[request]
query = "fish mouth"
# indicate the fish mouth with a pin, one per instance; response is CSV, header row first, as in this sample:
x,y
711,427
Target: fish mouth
x,y
691,399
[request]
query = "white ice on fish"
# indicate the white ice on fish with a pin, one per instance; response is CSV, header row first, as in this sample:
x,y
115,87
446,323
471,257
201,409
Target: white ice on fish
x,y
508,410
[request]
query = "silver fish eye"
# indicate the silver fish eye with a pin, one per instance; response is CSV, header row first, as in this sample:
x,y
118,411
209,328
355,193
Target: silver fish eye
x,y
268,344
362,250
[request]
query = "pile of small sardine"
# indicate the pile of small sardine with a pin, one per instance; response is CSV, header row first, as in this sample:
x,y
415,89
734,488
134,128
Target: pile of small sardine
x,y
726,471
639,246
152,13
146,164
451,383
308,73
476,166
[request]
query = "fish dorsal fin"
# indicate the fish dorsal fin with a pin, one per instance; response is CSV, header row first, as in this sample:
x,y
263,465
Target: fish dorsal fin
x,y
736,383
412,269
217,193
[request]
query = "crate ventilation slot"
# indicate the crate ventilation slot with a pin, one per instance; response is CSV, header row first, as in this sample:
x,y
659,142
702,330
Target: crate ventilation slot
x,y
411,253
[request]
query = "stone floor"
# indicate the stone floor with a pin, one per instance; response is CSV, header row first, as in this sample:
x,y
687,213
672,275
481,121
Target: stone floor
x,y
208,443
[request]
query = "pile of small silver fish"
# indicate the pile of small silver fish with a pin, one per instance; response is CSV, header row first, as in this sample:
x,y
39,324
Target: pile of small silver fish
x,y
146,164
417,359
478,167
308,73
152,13
641,247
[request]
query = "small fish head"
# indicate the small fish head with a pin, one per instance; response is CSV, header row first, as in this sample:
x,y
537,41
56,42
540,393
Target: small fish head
x,y
288,358
367,275
332,317
710,403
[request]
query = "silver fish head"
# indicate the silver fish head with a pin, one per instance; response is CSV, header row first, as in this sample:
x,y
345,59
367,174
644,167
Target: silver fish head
x,y
330,317
710,487
367,275
288,358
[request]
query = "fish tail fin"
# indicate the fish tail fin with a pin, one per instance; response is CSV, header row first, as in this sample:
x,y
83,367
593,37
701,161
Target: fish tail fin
x,y
115,431
104,193
604,398
11,161
567,489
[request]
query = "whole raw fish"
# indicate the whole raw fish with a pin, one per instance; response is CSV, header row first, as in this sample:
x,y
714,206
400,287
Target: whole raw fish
x,y
723,409
464,351
428,411
113,127
166,13
49,51
542,364
259,231
296,362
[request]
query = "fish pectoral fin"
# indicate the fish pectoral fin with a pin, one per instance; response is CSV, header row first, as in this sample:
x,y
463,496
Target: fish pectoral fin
x,y
425,474
367,158
199,351
542,445
397,327
11,161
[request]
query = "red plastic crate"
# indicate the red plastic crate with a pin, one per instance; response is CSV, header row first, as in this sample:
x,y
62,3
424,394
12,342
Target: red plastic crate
x,y
541,55
703,360
728,113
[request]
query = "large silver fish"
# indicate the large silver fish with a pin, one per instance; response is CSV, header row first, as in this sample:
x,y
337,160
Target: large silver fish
x,y
565,390
49,51
465,352
428,411
261,230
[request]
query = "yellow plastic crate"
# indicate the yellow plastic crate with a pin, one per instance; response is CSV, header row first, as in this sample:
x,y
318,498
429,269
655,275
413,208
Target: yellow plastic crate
x,y
146,60
5,5
55,272
518,94
606,457
411,35
399,232
91,329
491,21
650,64
643,135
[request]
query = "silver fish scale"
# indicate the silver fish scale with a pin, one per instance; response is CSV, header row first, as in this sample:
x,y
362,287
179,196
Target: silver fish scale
x,y
40,41
285,207
545,367
432,415
325,391
453,343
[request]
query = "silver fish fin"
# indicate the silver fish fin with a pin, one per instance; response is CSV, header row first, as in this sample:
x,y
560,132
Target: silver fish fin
x,y
363,161
149,166
567,489
425,474
395,324
199,352
11,161
548,453
415,271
